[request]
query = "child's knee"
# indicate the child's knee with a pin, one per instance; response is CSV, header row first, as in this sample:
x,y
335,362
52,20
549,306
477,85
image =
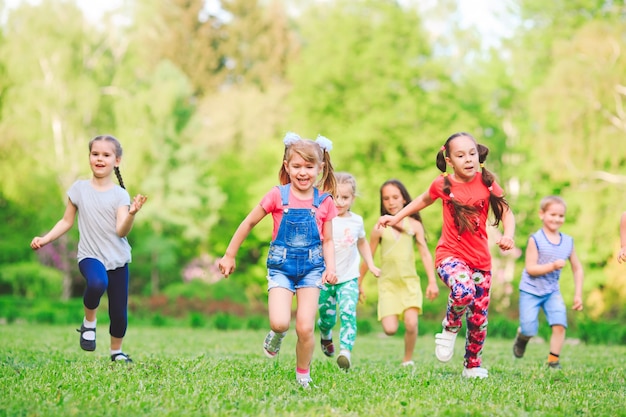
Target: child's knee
x,y
390,329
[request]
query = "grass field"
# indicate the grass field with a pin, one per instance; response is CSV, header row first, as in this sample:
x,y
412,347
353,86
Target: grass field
x,y
187,372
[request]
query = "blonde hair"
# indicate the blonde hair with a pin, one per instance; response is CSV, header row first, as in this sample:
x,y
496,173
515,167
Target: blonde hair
x,y
549,200
311,152
346,178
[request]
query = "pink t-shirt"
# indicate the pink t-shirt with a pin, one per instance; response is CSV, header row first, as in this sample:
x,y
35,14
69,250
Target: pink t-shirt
x,y
272,203
471,246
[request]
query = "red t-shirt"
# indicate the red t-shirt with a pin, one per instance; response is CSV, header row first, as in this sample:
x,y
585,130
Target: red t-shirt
x,y
272,203
471,246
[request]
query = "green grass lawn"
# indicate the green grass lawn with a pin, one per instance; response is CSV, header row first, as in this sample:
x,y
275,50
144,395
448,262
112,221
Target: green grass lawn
x,y
187,372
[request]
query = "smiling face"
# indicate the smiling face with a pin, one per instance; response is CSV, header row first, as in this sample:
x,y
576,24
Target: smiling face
x,y
553,216
462,156
302,173
344,198
392,199
102,158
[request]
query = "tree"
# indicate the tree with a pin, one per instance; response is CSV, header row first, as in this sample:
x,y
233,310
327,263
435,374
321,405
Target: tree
x,y
51,99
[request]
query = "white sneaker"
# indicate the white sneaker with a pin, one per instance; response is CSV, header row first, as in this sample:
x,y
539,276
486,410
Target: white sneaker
x,y
444,348
475,373
343,360
272,343
408,363
305,382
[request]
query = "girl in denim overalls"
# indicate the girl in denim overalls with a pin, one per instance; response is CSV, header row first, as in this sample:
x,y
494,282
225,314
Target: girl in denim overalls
x,y
301,256
462,256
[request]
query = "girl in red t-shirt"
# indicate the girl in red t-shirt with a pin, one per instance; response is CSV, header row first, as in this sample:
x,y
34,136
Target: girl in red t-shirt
x,y
462,256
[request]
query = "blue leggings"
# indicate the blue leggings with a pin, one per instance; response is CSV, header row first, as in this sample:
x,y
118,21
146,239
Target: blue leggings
x,y
115,283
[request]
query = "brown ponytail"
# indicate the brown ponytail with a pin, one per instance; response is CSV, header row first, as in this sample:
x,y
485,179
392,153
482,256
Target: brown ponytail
x,y
463,214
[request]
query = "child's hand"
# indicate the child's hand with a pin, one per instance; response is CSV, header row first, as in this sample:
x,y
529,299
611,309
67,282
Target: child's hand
x,y
386,220
432,291
137,203
506,243
578,304
375,270
37,242
622,255
361,295
226,265
558,264
329,277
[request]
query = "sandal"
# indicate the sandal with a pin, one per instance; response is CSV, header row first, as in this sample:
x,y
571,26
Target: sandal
x,y
444,348
88,345
327,347
122,357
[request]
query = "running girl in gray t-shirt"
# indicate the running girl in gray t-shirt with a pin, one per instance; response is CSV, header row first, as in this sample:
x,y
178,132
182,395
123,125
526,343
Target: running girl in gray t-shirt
x,y
105,217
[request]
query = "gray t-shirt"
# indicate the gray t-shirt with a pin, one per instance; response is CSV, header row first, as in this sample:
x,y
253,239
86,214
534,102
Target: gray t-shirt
x,y
97,214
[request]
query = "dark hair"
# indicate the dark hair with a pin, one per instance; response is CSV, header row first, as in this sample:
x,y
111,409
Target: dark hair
x,y
405,195
118,153
463,213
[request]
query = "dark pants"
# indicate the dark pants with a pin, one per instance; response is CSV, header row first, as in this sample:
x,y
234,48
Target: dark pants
x,y
115,283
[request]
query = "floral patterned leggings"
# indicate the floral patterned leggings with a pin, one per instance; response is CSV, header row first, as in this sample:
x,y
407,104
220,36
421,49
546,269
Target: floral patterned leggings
x,y
469,295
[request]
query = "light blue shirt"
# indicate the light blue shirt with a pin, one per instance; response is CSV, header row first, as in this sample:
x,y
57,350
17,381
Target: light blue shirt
x,y
547,252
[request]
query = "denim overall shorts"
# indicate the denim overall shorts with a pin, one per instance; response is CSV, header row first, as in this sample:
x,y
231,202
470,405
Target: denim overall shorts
x,y
295,259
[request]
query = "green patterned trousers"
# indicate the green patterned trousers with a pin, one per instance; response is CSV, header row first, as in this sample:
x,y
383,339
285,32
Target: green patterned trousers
x,y
345,296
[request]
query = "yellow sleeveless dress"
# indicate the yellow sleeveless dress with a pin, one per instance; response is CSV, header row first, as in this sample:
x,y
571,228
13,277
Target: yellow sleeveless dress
x,y
399,285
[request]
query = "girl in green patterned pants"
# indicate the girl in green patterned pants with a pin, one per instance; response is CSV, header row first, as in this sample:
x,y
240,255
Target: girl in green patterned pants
x,y
350,241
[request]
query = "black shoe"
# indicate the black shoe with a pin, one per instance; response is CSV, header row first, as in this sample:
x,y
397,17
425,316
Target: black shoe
x,y
519,346
88,345
121,357
554,365
327,347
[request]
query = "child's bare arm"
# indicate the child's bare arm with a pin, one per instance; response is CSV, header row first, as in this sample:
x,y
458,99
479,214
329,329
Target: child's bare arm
x,y
535,269
227,263
577,270
432,291
366,253
622,234
59,229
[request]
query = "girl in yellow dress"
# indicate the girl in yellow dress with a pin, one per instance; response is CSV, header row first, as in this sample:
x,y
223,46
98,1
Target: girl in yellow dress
x,y
399,290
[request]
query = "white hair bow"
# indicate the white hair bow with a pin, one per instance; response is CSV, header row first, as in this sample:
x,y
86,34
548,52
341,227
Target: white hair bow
x,y
291,138
324,143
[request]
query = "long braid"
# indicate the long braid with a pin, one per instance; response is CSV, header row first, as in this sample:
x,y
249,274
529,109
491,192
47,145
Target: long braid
x,y
119,176
498,203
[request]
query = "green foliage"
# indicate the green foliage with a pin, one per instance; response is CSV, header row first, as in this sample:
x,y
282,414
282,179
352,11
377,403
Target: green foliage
x,y
605,332
221,290
30,280
14,222
40,310
201,124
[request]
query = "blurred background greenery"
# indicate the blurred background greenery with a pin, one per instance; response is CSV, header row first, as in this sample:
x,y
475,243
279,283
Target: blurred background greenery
x,y
200,96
